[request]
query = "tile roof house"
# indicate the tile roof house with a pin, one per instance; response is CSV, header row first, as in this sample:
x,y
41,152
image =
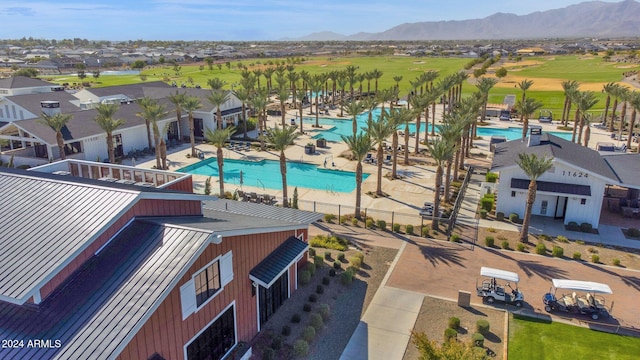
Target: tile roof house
x,y
102,270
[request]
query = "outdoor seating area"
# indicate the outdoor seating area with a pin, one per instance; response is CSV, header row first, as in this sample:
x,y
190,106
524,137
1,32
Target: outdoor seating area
x,y
239,146
254,197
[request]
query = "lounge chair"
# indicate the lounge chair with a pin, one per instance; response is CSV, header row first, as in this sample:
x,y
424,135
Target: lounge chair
x,y
247,146
387,159
369,158
232,145
253,197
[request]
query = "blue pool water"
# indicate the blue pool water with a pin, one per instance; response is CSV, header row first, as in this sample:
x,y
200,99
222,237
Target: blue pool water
x,y
266,173
333,129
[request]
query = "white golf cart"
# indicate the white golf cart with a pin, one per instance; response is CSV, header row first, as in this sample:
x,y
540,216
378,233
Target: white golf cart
x,y
587,301
491,290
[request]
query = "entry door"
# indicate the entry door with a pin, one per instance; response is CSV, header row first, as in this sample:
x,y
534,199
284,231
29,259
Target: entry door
x,y
272,298
561,207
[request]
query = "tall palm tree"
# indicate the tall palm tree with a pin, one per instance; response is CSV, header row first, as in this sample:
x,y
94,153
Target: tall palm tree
x,y
216,84
293,78
569,87
398,117
534,167
151,113
268,73
144,103
282,93
191,104
105,119
615,92
353,109
258,73
57,122
218,138
359,144
342,83
527,108
608,89
524,85
634,101
177,100
376,74
397,79
585,100
441,151
451,132
259,102
419,103
301,95
281,139
623,96
243,94
484,85
217,99
586,120
379,130
315,84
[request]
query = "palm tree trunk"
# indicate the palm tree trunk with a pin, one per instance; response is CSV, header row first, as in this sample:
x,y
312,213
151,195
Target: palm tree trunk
x,y
358,189
192,136
219,116
581,129
426,128
261,129
342,103
406,144
163,154
575,126
632,123
156,141
379,164
433,122
457,163
565,115
301,120
220,159
613,114
436,198
283,113
417,134
607,103
110,151
148,124
244,120
587,135
394,141
317,109
447,181
525,127
283,172
531,197
60,141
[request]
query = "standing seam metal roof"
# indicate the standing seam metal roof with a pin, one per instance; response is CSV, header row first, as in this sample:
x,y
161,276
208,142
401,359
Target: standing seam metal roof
x,y
279,259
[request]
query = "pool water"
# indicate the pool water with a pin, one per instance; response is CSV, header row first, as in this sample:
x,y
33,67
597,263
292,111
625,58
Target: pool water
x,y
266,174
333,129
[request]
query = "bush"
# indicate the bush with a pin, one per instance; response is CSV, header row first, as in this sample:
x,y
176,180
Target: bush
x,y
329,217
454,323
300,348
310,267
483,214
486,204
409,229
573,226
478,340
633,232
316,321
276,343
354,222
324,311
491,177
396,227
541,249
500,216
355,261
562,239
286,330
268,354
327,255
340,256
514,218
325,280
308,333
346,277
450,334
337,265
577,255
592,250
360,256
586,227
344,219
595,258
318,261
332,272
369,223
329,242
557,251
306,307
521,247
305,277
482,326
545,237
312,252
320,289
489,241
505,244
580,242
616,262
382,225
455,238
425,231
295,318
313,298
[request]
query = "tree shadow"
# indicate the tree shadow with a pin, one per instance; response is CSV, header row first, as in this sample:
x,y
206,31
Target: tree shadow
x,y
546,272
490,336
474,311
441,255
631,281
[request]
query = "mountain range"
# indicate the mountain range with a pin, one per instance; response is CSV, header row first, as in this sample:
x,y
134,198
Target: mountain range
x,y
588,19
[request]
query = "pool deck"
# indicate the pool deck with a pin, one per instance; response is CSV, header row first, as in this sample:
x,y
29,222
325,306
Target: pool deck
x,y
406,195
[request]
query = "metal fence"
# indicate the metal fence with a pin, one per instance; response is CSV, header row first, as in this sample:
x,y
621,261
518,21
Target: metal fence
x,y
459,200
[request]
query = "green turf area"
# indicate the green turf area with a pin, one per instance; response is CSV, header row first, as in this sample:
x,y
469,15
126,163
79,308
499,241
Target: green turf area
x,y
535,339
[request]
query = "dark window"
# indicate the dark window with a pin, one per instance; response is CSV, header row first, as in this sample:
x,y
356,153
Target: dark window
x,y
198,128
272,298
216,340
207,283
118,150
583,201
172,131
72,148
513,194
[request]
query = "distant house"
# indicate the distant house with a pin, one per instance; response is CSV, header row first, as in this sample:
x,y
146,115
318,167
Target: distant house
x,y
117,271
22,85
532,51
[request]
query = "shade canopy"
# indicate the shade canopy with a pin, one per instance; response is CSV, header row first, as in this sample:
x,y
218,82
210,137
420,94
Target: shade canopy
x,y
499,274
586,286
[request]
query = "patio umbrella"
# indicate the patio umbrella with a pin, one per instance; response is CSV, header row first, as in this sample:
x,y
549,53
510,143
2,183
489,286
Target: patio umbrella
x,y
241,179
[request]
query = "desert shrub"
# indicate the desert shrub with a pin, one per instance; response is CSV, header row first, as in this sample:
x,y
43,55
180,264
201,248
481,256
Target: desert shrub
x,y
396,227
425,231
409,229
319,289
359,255
305,277
573,226
491,177
521,247
346,277
577,255
491,230
580,242
325,311
313,298
592,250
308,333
541,249
557,251
295,318
478,339
329,242
633,232
310,267
344,219
454,323
455,238
595,258
337,265
500,216
340,256
450,334
562,239
329,217
318,261
505,244
483,214
616,262
276,343
327,255
354,222
586,227
545,237
355,261
332,272
300,348
306,307
482,326
514,218
268,354
286,330
489,241
316,321
382,225
325,280
312,252
369,223
486,204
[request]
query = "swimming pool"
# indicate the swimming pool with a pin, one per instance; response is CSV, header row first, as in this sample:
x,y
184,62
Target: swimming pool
x,y
266,174
336,128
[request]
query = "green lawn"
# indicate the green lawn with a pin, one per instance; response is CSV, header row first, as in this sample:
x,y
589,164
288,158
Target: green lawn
x,y
534,339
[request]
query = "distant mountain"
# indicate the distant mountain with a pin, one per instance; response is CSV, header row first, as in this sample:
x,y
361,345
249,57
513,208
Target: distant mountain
x,y
587,19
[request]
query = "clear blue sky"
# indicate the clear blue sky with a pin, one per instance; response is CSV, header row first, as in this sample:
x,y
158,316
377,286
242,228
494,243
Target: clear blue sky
x,y
236,19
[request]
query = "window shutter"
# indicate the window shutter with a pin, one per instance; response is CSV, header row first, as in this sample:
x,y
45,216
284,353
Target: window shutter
x,y
188,299
226,268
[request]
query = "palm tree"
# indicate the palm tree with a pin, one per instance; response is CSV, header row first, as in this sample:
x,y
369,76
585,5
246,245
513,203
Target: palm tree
x,y
569,87
342,82
282,93
379,131
281,139
105,120
301,95
258,73
293,79
586,120
534,167
259,103
151,113
397,79
218,138
634,101
441,152
398,117
376,74
217,99
177,100
216,84
144,103
585,100
191,104
527,108
243,94
419,103
623,95
353,109
608,89
57,122
359,144
484,85
451,132
315,84
524,85
614,91
268,73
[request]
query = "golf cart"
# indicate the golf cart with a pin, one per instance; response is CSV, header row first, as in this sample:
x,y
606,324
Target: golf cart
x,y
546,116
491,291
588,302
427,209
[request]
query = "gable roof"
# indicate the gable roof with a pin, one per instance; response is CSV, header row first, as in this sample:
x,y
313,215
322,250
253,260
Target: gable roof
x,y
268,212
626,167
31,102
17,82
98,310
506,154
163,92
133,91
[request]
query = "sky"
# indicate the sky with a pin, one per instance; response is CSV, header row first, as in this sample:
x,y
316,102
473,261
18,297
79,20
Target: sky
x,y
230,20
